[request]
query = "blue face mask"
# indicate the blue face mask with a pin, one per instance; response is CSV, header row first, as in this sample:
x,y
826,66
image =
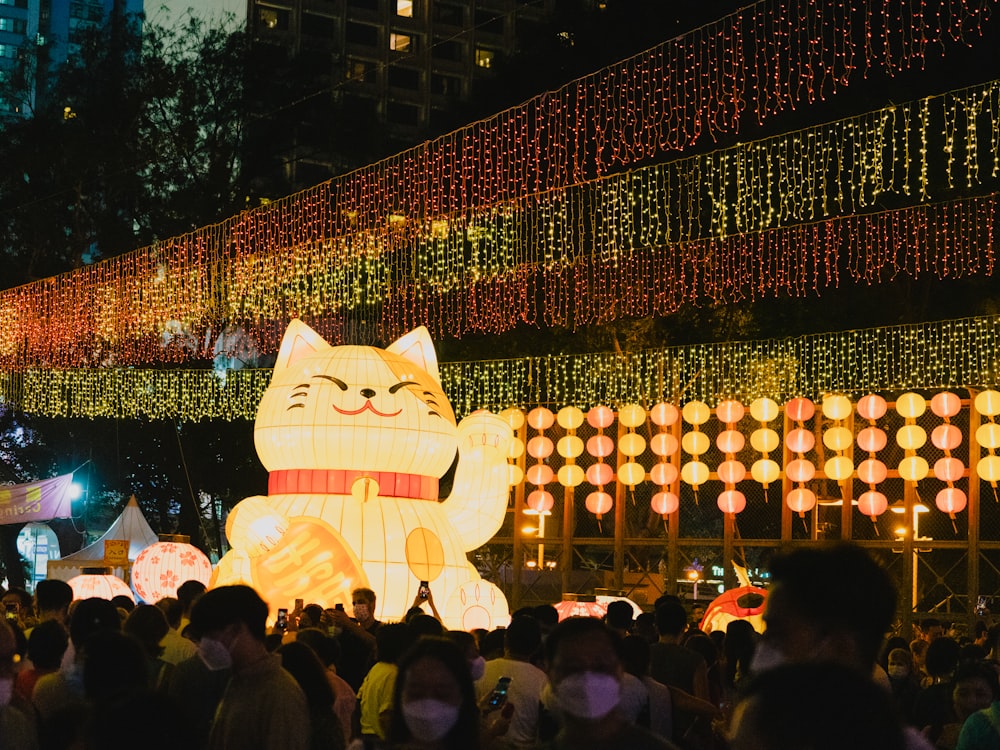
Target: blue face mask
x,y
214,654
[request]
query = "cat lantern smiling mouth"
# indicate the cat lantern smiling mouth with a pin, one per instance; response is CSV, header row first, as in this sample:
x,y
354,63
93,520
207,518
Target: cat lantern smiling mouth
x,y
369,407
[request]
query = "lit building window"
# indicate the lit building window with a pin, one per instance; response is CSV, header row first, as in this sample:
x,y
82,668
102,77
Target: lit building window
x,y
401,42
484,57
404,8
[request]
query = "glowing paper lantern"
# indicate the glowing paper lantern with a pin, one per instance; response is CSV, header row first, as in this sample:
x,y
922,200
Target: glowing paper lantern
x,y
516,448
732,501
732,472
988,403
599,503
541,418
599,474
696,412
946,404
631,415
664,503
539,501
580,608
838,438
800,440
476,604
800,409
631,474
950,500
695,443
515,474
912,436
663,473
254,526
570,418
540,446
162,567
872,439
695,473
988,435
801,500
872,407
764,440
946,437
99,583
872,471
872,503
948,469
913,468
540,474
570,446
764,409
631,444
571,475
729,411
600,446
800,470
664,415
988,469
911,405
513,417
836,407
765,471
839,468
730,441
663,444
600,417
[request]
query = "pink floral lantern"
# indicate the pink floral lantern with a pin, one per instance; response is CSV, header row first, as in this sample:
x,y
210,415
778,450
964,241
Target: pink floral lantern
x,y
162,567
99,583
575,605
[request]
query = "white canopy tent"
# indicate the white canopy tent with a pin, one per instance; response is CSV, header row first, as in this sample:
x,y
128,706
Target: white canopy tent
x,y
130,526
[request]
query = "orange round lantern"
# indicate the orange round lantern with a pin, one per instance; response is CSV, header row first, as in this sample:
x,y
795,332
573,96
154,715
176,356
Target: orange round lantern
x,y
946,437
946,404
801,500
949,469
800,409
950,500
540,447
599,474
872,503
162,567
541,418
600,446
732,472
730,441
872,439
664,415
599,503
663,473
99,583
800,470
664,503
732,501
872,471
872,407
600,417
540,501
729,411
540,474
800,440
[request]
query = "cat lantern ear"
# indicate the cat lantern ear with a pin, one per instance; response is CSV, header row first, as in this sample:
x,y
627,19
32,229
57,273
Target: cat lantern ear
x,y
299,341
417,347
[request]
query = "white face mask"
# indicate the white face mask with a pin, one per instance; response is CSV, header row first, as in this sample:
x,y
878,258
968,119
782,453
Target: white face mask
x,y
361,611
429,720
214,654
6,690
588,695
766,657
477,667
899,670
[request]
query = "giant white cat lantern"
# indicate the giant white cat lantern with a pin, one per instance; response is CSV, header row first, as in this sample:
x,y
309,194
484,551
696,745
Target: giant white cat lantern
x,y
355,439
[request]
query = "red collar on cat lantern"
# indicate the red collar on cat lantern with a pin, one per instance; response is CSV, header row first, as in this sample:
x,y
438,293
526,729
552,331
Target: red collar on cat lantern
x,y
340,481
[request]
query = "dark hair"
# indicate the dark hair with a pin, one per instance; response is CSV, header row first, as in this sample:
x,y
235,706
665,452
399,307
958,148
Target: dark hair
x,y
148,624
465,734
304,665
523,636
978,671
462,639
47,644
619,615
189,592
671,618
326,648
53,595
226,605
491,645
635,655
896,641
424,624
172,609
738,647
578,627
114,666
841,589
942,657
123,602
314,612
820,706
930,622
547,616
92,616
391,640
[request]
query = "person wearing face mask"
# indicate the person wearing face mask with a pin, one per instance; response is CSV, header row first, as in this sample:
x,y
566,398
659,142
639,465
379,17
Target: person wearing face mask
x,y
904,681
585,678
263,706
434,705
17,719
356,636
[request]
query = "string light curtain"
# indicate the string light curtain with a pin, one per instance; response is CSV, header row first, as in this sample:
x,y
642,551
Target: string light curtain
x,y
945,354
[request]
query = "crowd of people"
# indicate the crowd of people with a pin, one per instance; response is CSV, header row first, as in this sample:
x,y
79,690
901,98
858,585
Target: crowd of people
x,y
210,669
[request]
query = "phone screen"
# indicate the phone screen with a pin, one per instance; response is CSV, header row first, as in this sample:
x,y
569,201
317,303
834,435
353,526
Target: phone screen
x,y
282,618
424,590
499,695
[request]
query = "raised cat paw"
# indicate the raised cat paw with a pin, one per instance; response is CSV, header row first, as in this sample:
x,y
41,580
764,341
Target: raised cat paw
x,y
483,431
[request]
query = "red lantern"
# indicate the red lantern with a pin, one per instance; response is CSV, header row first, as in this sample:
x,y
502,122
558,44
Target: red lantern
x,y
872,471
732,501
872,407
540,501
600,417
732,472
730,441
801,500
872,439
664,415
540,474
800,440
664,503
800,470
946,437
540,447
600,474
872,503
950,500
663,473
600,446
946,404
162,567
581,608
949,469
599,503
800,409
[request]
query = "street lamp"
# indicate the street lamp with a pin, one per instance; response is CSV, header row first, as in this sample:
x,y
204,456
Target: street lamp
x,y
899,508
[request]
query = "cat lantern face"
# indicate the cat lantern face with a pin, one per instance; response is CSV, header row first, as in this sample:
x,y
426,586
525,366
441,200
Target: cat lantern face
x,y
355,407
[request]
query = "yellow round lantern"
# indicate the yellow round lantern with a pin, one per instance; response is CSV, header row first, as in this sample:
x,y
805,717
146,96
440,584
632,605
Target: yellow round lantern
x,y
99,583
695,473
570,446
764,409
988,403
254,527
911,405
911,436
836,407
571,475
764,440
514,475
696,412
516,448
162,567
631,415
631,444
569,417
913,468
988,469
695,443
838,438
514,417
765,471
631,474
839,468
988,435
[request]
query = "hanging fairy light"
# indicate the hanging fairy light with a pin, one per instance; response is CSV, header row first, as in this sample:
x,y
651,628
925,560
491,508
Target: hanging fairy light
x,y
730,441
947,437
987,403
872,471
631,445
600,446
765,440
800,441
695,443
664,472
911,437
